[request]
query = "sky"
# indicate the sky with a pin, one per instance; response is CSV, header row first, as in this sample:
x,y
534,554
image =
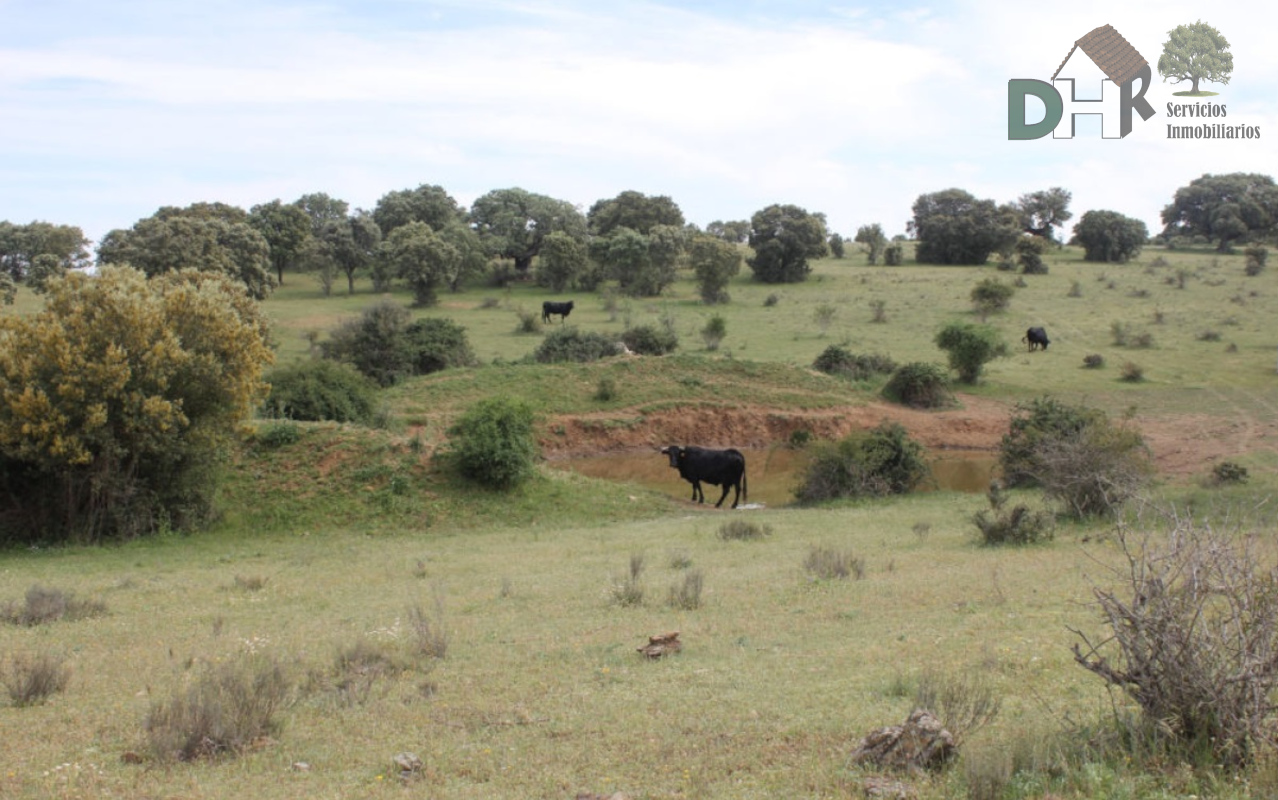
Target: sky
x,y
109,111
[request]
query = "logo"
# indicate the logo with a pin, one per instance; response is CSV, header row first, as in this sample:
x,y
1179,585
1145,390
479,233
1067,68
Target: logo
x,y
1122,66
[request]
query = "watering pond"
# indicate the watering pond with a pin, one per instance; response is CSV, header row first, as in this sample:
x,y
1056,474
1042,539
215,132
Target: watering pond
x,y
771,473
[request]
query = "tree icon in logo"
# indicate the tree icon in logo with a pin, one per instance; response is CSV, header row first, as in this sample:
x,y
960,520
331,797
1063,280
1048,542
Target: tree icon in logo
x,y
1193,53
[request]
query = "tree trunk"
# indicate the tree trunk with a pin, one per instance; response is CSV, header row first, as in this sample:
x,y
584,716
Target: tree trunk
x,y
350,282
280,270
1195,80
523,264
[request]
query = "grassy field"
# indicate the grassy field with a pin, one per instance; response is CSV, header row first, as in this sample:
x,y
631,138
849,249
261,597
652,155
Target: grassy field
x,y
345,540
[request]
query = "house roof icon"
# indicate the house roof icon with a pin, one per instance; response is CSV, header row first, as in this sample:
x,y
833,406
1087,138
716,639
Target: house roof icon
x,y
1109,51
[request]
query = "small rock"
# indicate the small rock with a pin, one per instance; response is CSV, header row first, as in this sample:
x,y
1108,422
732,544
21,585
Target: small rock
x,y
301,766
662,644
888,789
407,764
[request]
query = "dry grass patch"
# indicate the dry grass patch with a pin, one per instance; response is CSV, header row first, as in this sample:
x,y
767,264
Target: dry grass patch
x,y
827,563
43,605
32,679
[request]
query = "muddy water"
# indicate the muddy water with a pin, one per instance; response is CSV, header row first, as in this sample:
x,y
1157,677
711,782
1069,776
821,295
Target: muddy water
x,y
771,474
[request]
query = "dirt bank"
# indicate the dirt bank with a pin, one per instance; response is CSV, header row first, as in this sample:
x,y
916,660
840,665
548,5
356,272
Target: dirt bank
x,y
1183,445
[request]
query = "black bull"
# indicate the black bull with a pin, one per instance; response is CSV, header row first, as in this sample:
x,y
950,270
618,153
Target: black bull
x,y
1036,338
724,468
551,307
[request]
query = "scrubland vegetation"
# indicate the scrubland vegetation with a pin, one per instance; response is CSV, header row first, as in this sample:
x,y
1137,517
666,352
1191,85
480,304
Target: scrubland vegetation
x,y
356,599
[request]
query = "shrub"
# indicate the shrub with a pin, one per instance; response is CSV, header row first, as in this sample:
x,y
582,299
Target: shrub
x,y
716,328
43,605
963,704
435,343
1093,361
1029,253
30,680
1109,236
741,531
1229,472
571,344
1119,333
686,594
650,340
919,385
1075,289
838,360
879,309
771,300
493,443
894,254
826,563
119,400
991,296
1191,636
606,390
629,590
872,463
316,389
1209,336
374,343
969,348
1256,257
529,321
1015,525
358,666
1077,455
228,706
429,635
1132,372
823,316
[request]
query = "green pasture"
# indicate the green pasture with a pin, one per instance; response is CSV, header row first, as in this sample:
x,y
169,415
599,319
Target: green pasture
x,y
332,539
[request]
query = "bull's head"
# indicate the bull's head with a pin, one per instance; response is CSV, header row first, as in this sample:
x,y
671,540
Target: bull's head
x,y
675,452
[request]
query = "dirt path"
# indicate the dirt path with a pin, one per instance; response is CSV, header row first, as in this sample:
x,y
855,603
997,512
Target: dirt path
x,y
1183,445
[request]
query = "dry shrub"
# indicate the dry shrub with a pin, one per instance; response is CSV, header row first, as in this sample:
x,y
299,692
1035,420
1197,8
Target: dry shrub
x,y
743,531
1191,636
826,563
250,583
1132,372
1093,361
529,321
30,680
963,703
43,605
687,594
429,635
359,666
223,711
629,590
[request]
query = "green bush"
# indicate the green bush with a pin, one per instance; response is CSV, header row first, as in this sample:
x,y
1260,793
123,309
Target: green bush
x,y
435,344
1041,419
278,434
919,385
493,443
873,463
1229,472
991,296
1029,252
571,344
969,348
894,255
838,360
1016,525
649,340
385,344
319,389
1077,455
713,333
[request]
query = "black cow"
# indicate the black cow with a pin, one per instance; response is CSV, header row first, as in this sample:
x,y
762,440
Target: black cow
x,y
724,468
551,307
1036,338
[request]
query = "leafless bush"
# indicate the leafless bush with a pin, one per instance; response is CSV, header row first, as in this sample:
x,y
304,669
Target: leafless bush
x,y
429,635
826,563
1132,372
921,530
741,530
687,594
963,703
223,711
1193,618
629,590
43,605
1093,470
30,680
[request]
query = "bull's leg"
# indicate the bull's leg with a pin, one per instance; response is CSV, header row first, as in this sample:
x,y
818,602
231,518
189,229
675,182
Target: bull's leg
x,y
698,496
724,496
736,496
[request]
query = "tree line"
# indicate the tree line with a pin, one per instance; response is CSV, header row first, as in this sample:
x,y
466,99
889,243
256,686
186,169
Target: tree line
x,y
426,240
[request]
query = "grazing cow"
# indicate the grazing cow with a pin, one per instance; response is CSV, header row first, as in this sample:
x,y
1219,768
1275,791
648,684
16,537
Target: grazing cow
x,y
551,307
1036,338
724,468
